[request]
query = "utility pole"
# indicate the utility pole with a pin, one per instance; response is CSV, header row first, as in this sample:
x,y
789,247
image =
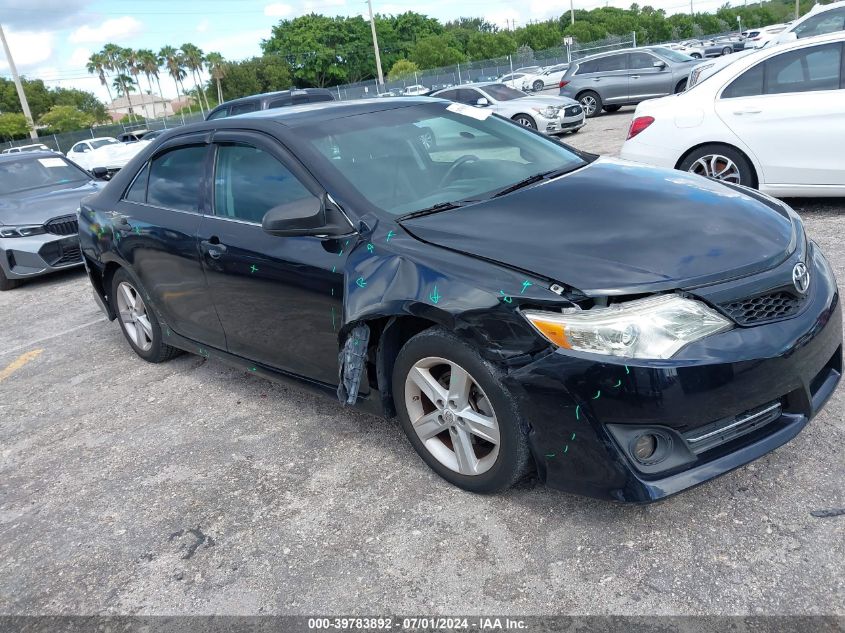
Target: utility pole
x,y
796,9
375,44
21,94
572,11
691,10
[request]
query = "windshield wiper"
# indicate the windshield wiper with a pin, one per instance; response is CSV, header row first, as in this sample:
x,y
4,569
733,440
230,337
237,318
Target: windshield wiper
x,y
440,206
546,175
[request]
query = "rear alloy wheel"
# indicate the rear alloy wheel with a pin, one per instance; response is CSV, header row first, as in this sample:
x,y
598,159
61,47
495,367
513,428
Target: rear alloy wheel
x,y
525,121
682,85
591,102
138,321
721,163
456,415
727,50
538,86
6,283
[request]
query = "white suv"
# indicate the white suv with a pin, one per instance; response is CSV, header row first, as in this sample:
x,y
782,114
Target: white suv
x,y
821,19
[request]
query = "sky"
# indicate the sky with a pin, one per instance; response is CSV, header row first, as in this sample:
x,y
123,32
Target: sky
x,y
52,39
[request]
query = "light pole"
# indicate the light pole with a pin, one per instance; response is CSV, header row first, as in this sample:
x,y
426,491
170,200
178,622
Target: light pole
x,y
375,45
21,94
572,11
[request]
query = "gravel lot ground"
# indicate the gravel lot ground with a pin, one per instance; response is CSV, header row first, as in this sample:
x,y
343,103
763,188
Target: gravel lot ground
x,y
192,488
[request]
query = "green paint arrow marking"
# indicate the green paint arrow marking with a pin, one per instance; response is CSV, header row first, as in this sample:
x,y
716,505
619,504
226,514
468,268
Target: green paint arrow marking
x,y
253,269
389,235
435,298
361,283
525,285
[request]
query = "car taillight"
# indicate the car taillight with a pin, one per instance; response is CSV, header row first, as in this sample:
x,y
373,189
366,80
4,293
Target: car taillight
x,y
638,125
562,83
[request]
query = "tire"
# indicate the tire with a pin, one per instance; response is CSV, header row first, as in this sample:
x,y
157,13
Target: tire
x,y
138,321
682,85
482,405
525,121
575,131
612,108
727,50
721,162
696,56
6,283
538,86
591,102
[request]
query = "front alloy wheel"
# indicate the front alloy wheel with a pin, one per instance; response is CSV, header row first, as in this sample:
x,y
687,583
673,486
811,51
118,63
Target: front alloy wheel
x,y
452,416
456,413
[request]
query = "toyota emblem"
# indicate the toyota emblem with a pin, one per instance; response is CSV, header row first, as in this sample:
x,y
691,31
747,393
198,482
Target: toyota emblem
x,y
801,278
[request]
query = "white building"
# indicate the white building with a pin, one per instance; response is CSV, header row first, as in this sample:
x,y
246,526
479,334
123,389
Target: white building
x,y
144,105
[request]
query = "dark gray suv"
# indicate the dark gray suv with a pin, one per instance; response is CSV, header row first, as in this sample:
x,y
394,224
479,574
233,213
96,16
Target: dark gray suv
x,y
269,100
610,80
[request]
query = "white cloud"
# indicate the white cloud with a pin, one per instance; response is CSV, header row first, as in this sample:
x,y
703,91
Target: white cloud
x,y
28,48
113,30
278,10
202,27
503,17
321,6
238,45
79,57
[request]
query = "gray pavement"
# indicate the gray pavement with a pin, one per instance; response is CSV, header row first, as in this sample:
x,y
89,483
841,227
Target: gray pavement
x,y
193,488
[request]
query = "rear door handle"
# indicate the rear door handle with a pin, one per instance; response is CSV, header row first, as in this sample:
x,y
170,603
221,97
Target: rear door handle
x,y
213,247
596,78
747,111
635,76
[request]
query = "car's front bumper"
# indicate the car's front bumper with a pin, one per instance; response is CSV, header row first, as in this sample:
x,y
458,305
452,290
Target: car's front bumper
x,y
25,257
561,124
575,406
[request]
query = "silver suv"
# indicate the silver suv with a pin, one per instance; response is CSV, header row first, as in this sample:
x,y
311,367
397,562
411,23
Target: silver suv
x,y
610,80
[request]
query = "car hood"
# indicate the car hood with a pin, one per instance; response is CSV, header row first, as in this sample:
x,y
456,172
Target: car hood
x,y
614,228
543,101
39,205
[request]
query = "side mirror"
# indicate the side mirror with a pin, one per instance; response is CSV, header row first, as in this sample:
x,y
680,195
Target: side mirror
x,y
482,102
309,216
100,173
659,65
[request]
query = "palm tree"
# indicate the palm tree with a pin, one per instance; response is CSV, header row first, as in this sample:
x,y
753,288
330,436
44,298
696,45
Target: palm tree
x,y
148,64
217,69
193,60
123,84
116,62
130,58
97,65
173,62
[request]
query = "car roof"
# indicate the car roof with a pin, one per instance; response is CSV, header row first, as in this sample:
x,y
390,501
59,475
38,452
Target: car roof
x,y
5,158
276,93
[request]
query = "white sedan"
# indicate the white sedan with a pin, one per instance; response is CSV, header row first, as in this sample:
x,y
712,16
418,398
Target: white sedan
x,y
774,119
104,151
549,114
548,77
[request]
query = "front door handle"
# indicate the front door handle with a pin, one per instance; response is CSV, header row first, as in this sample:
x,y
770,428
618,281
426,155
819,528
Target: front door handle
x,y
747,111
213,247
635,76
596,78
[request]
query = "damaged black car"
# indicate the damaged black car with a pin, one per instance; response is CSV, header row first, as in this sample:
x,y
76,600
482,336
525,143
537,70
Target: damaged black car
x,y
521,307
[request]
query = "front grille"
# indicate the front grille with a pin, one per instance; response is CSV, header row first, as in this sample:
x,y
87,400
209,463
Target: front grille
x,y
763,308
572,110
65,225
61,252
721,431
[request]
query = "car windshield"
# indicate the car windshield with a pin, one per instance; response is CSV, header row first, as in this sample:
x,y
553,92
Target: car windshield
x,y
672,56
414,158
500,92
100,142
36,172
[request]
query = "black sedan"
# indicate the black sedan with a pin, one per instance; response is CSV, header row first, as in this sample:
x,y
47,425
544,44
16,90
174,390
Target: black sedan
x,y
623,331
39,197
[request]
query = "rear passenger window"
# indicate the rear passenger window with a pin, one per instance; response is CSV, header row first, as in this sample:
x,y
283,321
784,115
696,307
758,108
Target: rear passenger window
x,y
804,70
138,191
175,178
748,84
587,67
248,182
611,63
243,108
281,102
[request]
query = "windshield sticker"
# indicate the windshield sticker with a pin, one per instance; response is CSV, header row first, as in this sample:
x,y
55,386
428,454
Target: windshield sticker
x,y
52,162
470,111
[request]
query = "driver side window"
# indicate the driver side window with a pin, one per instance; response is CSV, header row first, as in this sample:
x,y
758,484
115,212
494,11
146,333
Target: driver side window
x,y
248,182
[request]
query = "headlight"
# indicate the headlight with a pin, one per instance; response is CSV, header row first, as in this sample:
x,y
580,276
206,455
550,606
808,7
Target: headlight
x,y
20,231
550,112
654,328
